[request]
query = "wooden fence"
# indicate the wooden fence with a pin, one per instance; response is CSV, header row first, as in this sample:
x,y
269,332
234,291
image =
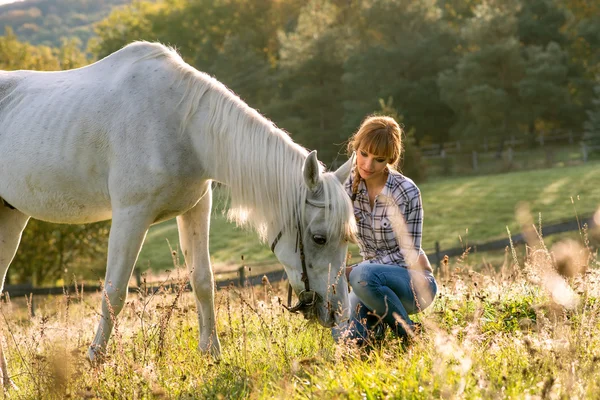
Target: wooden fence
x,y
435,256
511,153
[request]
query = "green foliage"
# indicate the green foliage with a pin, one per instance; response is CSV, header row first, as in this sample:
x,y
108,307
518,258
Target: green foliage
x,y
411,163
544,90
455,68
481,89
52,254
540,22
15,54
311,66
399,59
592,124
47,22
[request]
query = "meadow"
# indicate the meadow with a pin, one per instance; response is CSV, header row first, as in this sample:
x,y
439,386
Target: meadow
x,y
526,329
458,213
529,331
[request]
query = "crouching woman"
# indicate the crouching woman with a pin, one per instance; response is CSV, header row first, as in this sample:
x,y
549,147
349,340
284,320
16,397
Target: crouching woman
x,y
395,278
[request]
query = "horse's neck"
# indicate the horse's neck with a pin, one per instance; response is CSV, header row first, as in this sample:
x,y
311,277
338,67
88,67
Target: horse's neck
x,y
260,163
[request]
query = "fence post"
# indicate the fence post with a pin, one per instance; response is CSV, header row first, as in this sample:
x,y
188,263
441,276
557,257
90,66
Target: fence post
x,y
438,256
475,168
510,155
138,277
242,273
584,151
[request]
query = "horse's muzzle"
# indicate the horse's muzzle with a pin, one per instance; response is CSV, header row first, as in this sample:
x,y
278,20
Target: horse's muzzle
x,y
307,303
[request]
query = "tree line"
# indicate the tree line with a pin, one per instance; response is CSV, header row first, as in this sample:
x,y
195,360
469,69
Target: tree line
x,y
447,69
455,69
46,22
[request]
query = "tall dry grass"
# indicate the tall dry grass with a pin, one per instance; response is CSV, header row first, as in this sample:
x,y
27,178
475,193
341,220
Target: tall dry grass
x,y
526,330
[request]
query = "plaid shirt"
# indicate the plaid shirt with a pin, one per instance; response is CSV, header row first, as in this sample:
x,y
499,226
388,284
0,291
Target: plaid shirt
x,y
376,238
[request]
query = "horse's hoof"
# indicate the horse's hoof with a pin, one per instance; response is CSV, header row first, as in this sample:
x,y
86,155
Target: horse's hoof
x,y
95,356
213,350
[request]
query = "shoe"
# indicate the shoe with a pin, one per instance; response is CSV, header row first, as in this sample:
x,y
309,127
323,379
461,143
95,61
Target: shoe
x,y
379,332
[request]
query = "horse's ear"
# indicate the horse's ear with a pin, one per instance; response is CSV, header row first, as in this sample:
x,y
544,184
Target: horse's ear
x,y
343,172
312,172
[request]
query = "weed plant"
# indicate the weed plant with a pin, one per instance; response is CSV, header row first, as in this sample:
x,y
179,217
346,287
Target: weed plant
x,y
530,330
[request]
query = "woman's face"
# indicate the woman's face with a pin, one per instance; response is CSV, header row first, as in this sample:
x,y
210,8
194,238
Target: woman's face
x,y
371,167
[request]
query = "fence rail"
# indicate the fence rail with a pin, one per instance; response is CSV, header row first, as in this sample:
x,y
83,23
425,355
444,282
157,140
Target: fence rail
x,y
435,256
513,153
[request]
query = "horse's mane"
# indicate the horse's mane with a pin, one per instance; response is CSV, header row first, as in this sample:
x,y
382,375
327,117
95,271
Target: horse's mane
x,y
259,162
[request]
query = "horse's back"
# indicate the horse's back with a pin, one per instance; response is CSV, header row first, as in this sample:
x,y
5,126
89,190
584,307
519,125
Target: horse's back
x,y
65,135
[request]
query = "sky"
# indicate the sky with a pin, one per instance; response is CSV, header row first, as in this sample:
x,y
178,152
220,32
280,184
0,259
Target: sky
x,y
3,2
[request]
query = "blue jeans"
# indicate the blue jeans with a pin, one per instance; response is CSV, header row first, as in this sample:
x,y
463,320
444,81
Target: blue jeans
x,y
385,294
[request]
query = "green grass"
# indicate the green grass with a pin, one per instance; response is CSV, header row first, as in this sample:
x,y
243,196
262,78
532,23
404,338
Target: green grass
x,y
501,335
478,209
474,209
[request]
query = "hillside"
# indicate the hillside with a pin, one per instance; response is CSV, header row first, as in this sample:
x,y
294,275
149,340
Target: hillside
x,y
45,22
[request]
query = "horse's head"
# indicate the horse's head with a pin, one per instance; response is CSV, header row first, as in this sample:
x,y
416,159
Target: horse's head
x,y
313,249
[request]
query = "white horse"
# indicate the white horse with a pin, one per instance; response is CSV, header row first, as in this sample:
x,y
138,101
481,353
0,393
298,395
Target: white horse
x,y
138,137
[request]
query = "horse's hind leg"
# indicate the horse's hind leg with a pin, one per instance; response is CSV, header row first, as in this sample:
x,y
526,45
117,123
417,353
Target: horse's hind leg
x,y
127,233
193,238
12,223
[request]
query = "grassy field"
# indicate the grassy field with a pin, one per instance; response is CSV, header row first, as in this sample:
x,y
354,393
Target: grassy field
x,y
458,212
524,332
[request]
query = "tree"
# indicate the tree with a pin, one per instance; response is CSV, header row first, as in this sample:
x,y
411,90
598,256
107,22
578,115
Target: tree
x,y
411,163
544,90
540,22
50,252
401,60
482,88
18,55
311,59
591,126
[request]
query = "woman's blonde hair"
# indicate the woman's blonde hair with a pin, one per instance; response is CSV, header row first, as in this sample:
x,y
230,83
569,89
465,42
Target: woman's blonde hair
x,y
379,135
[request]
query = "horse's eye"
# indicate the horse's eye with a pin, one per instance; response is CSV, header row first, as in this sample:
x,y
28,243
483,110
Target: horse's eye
x,y
318,239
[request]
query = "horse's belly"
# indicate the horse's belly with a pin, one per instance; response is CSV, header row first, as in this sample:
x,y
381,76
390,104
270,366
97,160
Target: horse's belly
x,y
53,203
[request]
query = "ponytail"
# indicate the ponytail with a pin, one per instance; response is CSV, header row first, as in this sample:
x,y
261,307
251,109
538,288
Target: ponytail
x,y
355,182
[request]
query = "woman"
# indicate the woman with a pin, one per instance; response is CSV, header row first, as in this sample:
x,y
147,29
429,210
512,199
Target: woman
x,y
395,278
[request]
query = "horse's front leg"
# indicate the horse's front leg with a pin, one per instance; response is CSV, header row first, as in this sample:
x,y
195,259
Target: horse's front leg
x,y
127,233
193,238
12,224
